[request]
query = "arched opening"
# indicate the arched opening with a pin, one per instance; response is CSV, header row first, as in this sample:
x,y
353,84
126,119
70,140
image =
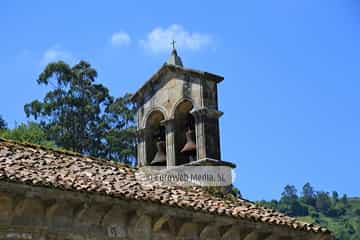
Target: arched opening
x,y
155,140
185,141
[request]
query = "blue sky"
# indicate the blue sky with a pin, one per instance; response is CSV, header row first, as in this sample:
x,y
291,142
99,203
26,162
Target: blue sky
x,y
291,90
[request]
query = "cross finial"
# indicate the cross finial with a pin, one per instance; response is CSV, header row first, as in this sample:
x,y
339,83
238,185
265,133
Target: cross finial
x,y
173,43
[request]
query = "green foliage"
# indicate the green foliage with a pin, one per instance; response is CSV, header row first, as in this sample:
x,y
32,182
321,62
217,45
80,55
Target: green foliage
x,y
323,202
340,215
289,203
81,116
70,112
289,194
30,133
335,197
228,193
3,124
309,194
235,192
357,212
344,200
121,132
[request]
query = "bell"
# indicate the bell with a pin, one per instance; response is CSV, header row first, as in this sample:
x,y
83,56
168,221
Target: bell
x,y
160,157
190,146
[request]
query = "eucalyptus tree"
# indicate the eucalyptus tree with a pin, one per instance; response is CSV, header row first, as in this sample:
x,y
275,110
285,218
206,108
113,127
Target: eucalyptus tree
x,y
121,134
81,115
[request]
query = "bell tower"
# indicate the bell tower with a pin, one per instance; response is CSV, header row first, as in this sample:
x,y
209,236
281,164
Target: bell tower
x,y
178,117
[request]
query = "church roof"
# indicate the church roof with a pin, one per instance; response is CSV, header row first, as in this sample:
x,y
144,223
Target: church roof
x,y
39,166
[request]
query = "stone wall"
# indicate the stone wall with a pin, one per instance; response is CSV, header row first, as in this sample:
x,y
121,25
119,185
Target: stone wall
x,y
43,214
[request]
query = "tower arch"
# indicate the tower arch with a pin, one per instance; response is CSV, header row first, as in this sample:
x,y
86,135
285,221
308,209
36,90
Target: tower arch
x,y
155,138
184,127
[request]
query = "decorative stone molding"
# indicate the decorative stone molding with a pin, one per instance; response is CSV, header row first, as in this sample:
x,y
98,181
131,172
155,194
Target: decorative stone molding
x,y
160,223
231,233
210,232
29,212
59,214
210,162
206,112
141,227
187,231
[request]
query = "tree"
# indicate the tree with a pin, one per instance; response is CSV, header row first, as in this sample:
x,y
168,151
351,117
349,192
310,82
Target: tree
x,y
323,202
308,194
80,115
30,133
71,111
3,124
289,194
121,130
290,204
335,197
344,200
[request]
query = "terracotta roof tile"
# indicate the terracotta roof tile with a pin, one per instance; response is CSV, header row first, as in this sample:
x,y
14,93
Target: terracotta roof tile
x,y
38,166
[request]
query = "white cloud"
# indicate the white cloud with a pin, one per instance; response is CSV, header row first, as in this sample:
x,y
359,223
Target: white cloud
x,y
55,54
120,39
159,39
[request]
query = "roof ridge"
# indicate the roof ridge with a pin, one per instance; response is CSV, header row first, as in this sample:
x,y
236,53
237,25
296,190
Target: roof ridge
x,y
65,152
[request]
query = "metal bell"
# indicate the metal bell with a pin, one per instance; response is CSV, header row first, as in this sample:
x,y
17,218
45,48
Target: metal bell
x,y
190,145
160,157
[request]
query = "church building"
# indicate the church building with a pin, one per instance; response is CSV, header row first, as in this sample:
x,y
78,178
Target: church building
x,y
50,194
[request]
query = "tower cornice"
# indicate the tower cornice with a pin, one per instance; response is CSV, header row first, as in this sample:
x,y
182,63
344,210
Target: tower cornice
x,y
173,68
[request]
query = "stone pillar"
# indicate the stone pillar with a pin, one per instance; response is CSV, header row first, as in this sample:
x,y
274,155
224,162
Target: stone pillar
x,y
200,133
141,147
170,141
207,133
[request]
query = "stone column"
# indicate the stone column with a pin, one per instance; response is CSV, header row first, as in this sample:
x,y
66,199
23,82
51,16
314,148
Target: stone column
x,y
141,147
207,133
170,141
199,116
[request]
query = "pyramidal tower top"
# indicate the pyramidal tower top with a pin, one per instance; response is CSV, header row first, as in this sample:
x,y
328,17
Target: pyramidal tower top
x,y
174,59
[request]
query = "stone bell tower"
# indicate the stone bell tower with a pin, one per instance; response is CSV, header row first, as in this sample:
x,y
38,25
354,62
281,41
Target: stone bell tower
x,y
178,117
